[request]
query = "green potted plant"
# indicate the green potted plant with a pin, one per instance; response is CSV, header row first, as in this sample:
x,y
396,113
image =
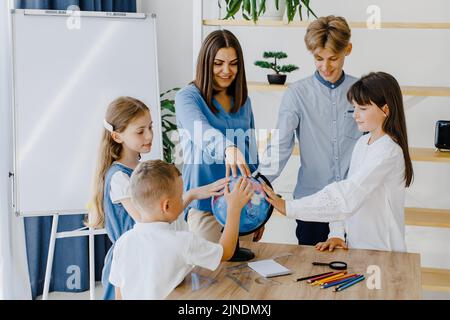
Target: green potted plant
x,y
272,10
168,124
253,9
278,77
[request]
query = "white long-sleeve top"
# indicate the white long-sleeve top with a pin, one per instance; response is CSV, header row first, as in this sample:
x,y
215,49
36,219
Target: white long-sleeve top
x,y
371,199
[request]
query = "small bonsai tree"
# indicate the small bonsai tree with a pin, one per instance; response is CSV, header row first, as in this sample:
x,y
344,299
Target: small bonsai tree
x,y
274,65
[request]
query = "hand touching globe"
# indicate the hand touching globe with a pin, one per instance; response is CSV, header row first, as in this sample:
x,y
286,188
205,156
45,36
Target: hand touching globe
x,y
254,215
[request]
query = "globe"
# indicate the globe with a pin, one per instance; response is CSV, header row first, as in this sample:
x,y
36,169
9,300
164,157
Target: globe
x,y
255,213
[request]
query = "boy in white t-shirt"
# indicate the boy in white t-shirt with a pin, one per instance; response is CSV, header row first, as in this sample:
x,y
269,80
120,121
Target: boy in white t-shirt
x,y
150,260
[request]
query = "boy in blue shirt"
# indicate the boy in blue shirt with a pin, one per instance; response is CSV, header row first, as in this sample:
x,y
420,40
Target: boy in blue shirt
x,y
316,110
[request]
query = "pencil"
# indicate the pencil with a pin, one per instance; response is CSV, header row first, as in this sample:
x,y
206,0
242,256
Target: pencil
x,y
322,281
349,283
315,276
332,278
339,281
341,278
322,277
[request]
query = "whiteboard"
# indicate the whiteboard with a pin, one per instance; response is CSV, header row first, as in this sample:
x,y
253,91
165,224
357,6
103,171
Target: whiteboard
x,y
64,79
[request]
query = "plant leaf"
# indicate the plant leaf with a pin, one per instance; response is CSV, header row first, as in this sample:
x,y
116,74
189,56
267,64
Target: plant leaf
x,y
300,7
246,6
233,8
290,8
254,11
168,105
262,7
169,91
274,54
306,3
263,64
295,5
288,68
167,115
167,141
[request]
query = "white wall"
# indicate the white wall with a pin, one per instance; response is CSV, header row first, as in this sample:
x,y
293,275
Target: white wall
x,y
414,57
174,25
14,282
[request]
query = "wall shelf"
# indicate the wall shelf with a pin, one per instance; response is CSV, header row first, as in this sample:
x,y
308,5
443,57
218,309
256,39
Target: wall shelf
x,y
406,90
429,155
426,91
425,217
436,279
421,217
304,24
417,154
264,86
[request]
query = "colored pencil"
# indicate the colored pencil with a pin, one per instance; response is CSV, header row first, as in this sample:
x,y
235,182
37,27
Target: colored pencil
x,y
334,278
349,283
342,278
322,277
340,281
315,276
322,281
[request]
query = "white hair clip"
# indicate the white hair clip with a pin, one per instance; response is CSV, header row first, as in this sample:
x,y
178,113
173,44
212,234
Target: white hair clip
x,y
108,126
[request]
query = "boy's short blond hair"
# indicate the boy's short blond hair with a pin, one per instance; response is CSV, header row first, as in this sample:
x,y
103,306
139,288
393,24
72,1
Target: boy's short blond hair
x,y
150,181
329,32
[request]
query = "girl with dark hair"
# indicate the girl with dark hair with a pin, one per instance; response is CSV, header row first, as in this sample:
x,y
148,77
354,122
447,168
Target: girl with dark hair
x,y
371,199
216,126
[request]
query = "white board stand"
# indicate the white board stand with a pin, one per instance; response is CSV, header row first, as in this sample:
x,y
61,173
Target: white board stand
x,y
82,232
63,80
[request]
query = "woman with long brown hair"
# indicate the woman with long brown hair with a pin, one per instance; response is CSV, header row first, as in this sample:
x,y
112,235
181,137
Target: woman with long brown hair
x,y
371,199
216,126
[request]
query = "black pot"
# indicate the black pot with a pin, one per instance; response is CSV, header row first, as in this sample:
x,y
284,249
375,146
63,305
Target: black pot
x,y
276,78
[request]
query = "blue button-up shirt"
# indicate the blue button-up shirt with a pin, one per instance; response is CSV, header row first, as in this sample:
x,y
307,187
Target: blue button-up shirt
x,y
205,135
318,113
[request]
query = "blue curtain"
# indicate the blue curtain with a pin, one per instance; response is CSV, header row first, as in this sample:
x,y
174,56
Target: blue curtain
x,y
86,5
70,271
72,254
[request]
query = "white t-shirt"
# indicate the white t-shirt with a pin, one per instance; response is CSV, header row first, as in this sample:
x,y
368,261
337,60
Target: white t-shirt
x,y
150,260
120,187
371,200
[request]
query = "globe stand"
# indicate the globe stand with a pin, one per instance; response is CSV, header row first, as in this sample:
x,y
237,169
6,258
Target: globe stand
x,y
241,254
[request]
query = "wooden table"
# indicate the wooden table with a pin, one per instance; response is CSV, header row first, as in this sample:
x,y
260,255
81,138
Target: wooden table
x,y
400,276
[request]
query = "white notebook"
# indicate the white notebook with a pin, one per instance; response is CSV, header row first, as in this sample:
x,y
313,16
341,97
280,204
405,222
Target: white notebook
x,y
269,268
